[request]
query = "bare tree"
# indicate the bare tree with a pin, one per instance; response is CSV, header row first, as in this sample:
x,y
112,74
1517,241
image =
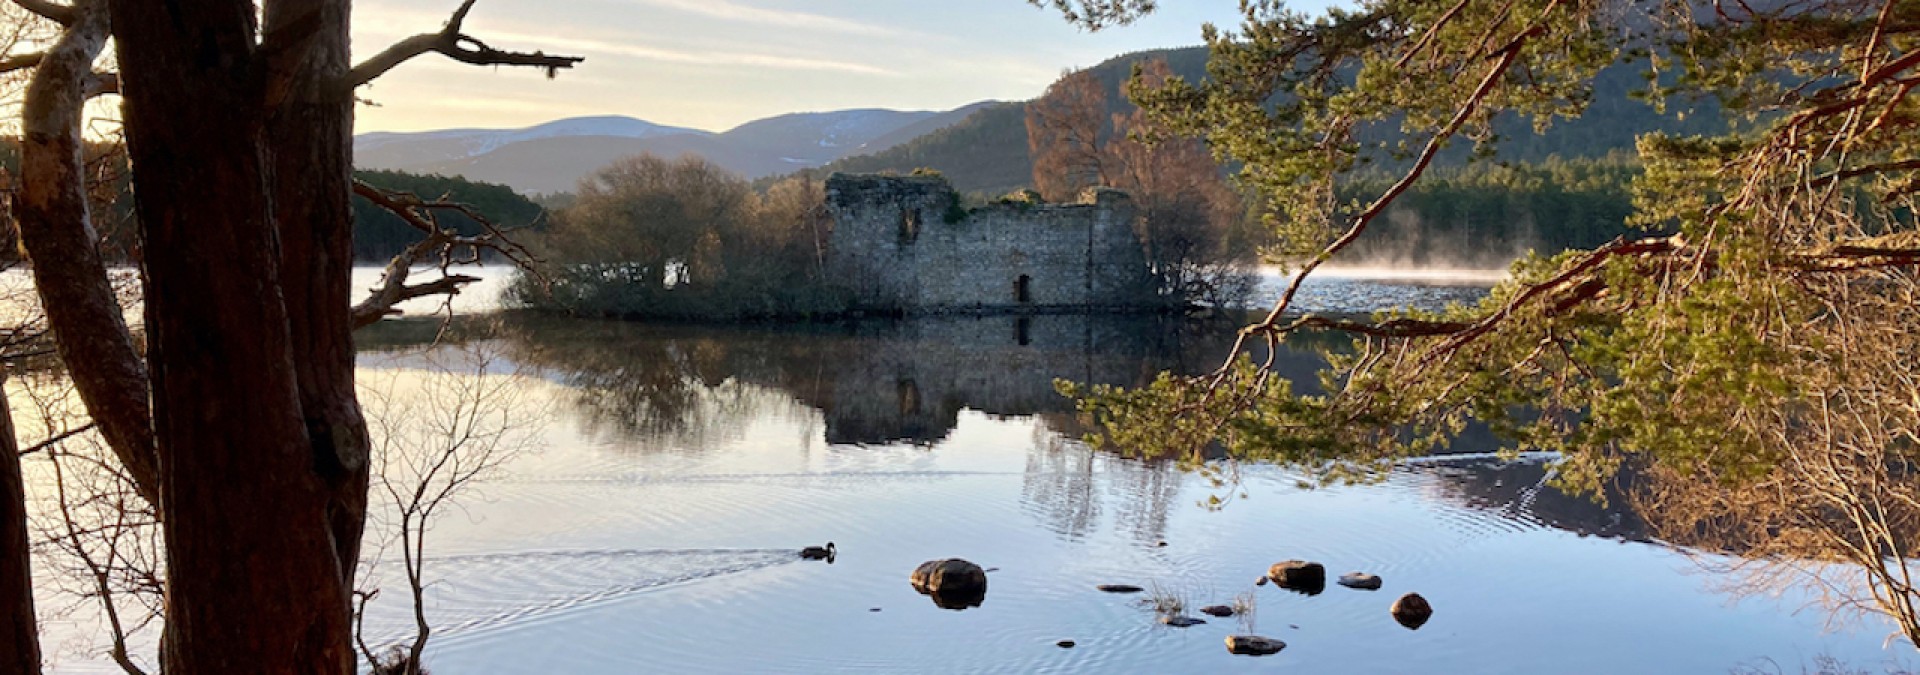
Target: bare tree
x,y
435,436
1189,216
1838,514
1067,134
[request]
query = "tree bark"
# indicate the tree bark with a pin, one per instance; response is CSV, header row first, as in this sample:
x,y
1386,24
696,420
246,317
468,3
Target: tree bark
x,y
57,232
312,161
19,635
256,581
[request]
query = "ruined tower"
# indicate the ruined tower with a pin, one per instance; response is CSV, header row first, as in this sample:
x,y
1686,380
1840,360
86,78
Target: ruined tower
x,y
904,243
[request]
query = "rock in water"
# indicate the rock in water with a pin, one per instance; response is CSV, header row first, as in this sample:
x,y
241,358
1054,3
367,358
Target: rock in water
x,y
1412,611
1254,645
1065,644
1120,588
1181,621
1299,575
1360,580
952,583
1222,611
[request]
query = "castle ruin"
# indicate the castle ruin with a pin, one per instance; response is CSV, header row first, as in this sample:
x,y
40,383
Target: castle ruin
x,y
905,244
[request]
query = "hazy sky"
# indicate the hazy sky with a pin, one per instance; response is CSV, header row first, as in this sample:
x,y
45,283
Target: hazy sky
x,y
712,64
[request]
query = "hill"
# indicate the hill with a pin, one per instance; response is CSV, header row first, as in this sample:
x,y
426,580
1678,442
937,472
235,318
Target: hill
x,y
987,153
552,157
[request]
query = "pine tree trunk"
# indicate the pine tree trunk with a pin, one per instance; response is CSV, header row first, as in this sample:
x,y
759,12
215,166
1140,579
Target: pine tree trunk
x,y
312,145
258,516
19,638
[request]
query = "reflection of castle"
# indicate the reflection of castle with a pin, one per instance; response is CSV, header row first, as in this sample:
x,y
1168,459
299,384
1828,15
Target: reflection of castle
x,y
908,381
904,244
873,382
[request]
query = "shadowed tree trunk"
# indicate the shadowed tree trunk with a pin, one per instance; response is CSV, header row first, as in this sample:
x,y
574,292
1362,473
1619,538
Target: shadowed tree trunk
x,y
19,638
247,497
312,132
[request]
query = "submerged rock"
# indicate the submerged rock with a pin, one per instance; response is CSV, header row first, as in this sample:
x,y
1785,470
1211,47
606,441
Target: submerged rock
x,y
952,583
1299,575
1120,588
1181,621
1254,645
1360,580
1412,611
1222,611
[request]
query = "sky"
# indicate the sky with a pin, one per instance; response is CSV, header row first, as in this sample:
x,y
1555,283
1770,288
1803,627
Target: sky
x,y
713,64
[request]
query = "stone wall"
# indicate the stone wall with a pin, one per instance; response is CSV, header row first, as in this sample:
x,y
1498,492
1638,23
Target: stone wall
x,y
904,243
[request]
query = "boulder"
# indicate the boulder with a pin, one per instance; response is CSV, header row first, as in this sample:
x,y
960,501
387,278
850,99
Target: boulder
x,y
1412,611
952,583
1360,580
1181,621
1299,575
1120,588
1065,644
1222,611
952,574
1254,645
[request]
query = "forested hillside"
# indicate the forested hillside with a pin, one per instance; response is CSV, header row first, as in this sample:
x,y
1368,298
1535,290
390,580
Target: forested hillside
x,y
378,234
1566,187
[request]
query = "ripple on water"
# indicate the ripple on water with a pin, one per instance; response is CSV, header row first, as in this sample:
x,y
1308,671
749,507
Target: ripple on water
x,y
474,593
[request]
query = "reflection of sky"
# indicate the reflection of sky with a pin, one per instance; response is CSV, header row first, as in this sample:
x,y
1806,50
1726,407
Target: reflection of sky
x,y
1512,596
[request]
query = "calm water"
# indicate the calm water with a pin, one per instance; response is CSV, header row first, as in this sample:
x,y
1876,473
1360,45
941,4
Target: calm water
x,y
681,467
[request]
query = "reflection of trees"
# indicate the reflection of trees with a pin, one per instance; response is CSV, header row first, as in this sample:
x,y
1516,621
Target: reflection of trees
x,y
1059,487
873,382
668,387
1065,483
1520,491
1839,523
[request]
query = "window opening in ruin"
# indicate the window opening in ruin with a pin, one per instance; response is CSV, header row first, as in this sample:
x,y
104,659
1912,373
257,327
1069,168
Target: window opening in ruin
x,y
1023,331
1023,289
909,396
909,226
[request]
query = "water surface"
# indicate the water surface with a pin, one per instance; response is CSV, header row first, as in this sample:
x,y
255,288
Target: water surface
x,y
681,467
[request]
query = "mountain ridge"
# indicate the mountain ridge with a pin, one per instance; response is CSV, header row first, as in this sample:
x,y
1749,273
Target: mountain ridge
x,y
553,156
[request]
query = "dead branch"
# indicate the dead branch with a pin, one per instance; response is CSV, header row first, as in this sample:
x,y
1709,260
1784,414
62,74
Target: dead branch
x,y
21,61
57,438
442,245
452,43
61,14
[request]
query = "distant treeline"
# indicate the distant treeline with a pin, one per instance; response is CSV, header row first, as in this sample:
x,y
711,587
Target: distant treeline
x,y
378,234
1485,214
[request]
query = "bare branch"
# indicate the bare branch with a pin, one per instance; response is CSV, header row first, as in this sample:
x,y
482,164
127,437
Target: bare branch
x,y
61,14
57,438
440,243
453,44
21,61
102,84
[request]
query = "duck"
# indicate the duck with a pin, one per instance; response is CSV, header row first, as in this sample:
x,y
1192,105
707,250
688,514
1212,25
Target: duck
x,y
818,552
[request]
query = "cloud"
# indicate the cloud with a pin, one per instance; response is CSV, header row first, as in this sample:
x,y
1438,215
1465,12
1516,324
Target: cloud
x,y
725,9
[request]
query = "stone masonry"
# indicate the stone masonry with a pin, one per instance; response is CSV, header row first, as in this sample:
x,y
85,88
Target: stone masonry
x,y
905,244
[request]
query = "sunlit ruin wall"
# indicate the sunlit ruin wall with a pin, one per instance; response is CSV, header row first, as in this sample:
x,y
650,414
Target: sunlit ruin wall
x,y
905,244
